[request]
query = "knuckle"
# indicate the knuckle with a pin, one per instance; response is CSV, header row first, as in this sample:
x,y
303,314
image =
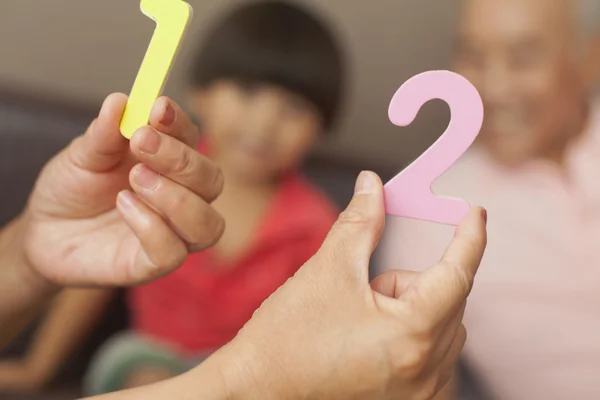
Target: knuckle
x,y
341,250
184,163
218,183
463,279
473,241
173,260
215,229
421,326
431,387
177,200
209,229
425,389
472,245
162,262
414,360
168,262
352,217
442,380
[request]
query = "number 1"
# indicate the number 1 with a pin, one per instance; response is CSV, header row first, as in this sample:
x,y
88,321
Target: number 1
x,y
172,19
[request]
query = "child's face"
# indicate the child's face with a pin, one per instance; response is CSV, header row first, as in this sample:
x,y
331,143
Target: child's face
x,y
256,131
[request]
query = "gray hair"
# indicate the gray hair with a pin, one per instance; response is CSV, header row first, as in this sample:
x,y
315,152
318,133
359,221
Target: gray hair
x,y
589,17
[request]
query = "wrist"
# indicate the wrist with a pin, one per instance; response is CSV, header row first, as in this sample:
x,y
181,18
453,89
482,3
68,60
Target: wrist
x,y
18,268
238,371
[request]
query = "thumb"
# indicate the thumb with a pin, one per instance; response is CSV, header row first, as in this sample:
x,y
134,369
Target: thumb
x,y
357,231
102,147
442,289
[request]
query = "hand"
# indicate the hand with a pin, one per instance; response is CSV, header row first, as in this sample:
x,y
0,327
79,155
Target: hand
x,y
106,211
329,334
18,377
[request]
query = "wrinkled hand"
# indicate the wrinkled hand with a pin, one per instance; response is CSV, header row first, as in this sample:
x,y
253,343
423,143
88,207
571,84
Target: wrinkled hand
x,y
108,211
329,334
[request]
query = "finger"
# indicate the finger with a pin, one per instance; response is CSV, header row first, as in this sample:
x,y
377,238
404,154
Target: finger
x,y
102,147
194,220
355,235
448,333
179,162
466,250
455,322
393,283
163,251
450,361
440,290
167,117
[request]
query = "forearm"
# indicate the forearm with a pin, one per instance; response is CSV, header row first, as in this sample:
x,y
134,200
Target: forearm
x,y
201,383
73,315
236,372
22,292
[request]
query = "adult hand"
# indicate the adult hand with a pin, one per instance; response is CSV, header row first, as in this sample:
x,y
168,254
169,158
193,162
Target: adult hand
x,y
329,334
108,211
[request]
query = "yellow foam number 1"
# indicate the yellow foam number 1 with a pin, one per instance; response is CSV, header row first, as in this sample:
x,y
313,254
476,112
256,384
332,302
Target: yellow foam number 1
x,y
172,19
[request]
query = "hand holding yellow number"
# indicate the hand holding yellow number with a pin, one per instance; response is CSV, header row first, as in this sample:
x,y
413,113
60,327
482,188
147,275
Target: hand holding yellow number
x,y
172,19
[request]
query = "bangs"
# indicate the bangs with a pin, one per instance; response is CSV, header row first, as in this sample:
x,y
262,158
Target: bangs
x,y
278,44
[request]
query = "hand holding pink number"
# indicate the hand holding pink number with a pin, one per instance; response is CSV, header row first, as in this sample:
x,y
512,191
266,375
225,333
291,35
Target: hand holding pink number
x,y
409,194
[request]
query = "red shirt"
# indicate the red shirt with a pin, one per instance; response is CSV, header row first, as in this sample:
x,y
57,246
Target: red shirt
x,y
201,306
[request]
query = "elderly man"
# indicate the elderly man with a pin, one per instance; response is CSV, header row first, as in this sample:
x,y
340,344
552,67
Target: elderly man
x,y
533,319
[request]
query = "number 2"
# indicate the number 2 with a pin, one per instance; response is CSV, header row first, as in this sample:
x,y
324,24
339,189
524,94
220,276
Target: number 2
x,y
409,194
172,19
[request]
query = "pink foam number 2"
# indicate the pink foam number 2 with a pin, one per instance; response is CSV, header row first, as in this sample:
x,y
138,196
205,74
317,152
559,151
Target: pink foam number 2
x,y
409,194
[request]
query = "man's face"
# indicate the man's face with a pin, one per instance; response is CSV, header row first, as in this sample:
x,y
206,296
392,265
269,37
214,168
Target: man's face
x,y
521,55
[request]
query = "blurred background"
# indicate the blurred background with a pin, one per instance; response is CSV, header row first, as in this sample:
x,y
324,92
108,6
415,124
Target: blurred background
x,y
61,58
79,51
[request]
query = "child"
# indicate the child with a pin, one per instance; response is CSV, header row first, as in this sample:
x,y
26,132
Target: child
x,y
266,83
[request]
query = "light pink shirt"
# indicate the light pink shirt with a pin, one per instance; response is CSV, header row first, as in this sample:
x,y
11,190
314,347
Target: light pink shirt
x,y
533,318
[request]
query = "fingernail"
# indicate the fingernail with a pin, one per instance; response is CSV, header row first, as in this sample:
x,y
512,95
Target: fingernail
x,y
484,216
365,183
146,178
150,142
125,200
168,114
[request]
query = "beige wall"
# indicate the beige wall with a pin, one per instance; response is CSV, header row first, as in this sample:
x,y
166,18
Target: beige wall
x,y
84,49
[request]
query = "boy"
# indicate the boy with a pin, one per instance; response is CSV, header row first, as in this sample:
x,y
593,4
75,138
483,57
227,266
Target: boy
x,y
266,83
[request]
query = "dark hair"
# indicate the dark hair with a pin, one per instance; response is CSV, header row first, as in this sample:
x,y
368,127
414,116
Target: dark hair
x,y
278,43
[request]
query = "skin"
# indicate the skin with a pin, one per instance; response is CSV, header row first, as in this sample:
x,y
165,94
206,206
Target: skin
x,y
402,332
107,211
329,333
533,72
255,132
